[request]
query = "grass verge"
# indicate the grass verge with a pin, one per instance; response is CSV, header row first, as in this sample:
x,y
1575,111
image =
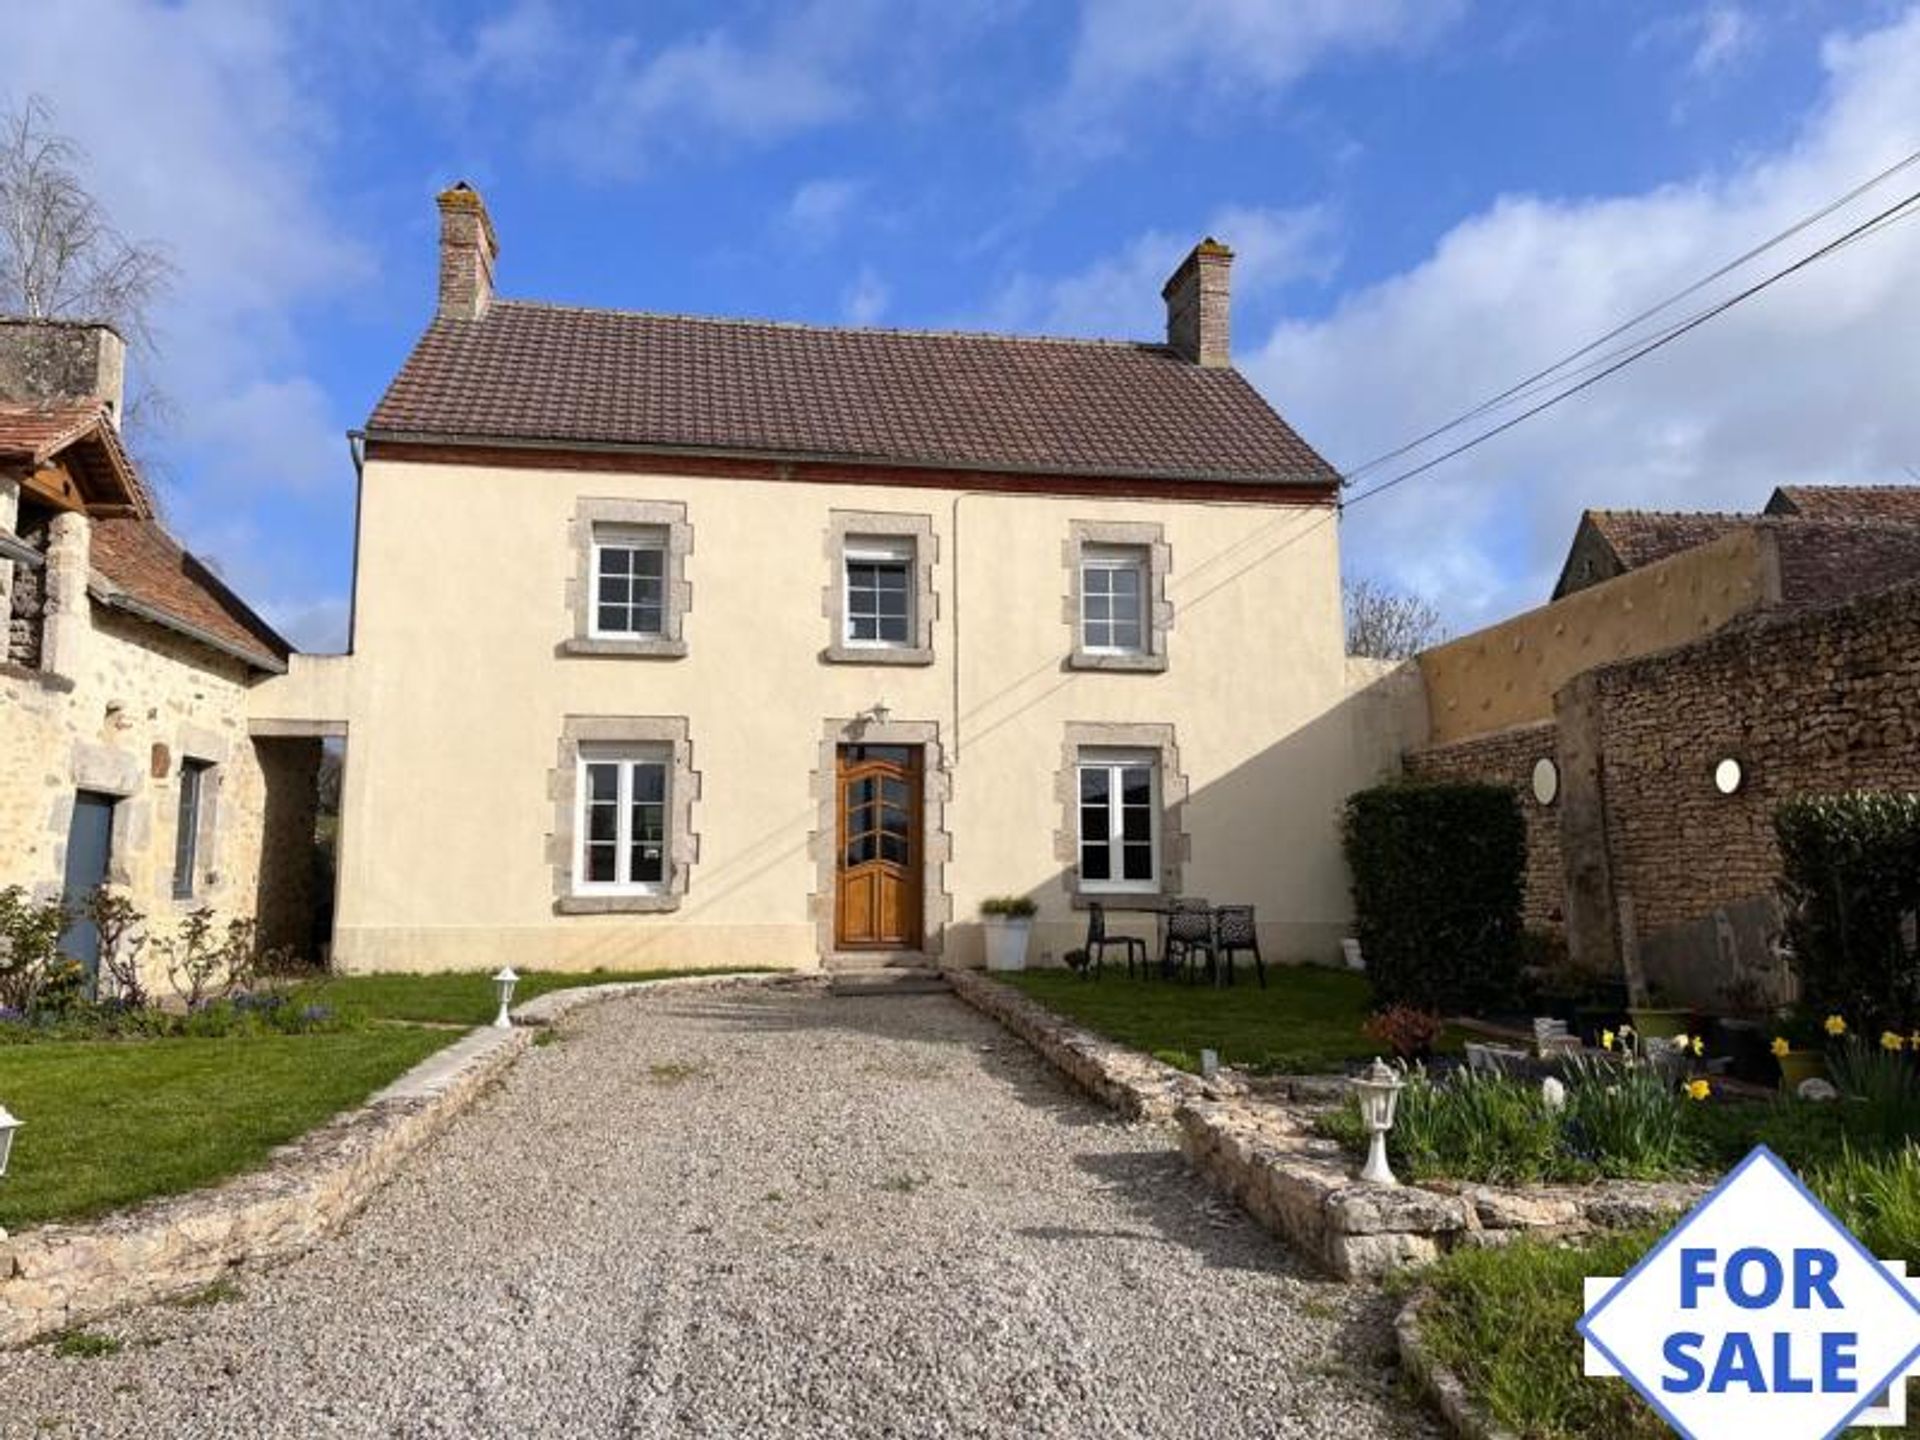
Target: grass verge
x,y
458,997
109,1124
1308,1019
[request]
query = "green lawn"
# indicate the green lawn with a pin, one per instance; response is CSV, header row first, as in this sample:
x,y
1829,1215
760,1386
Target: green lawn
x,y
1307,1020
458,997
108,1124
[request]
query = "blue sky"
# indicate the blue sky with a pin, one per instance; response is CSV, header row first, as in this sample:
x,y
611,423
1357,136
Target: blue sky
x,y
1429,198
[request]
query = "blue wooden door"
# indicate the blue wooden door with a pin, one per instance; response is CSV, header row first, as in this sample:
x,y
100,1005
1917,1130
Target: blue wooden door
x,y
89,845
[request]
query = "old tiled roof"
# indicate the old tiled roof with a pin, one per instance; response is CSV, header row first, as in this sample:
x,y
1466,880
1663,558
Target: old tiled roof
x,y
1885,504
1826,560
31,434
550,374
1640,537
144,565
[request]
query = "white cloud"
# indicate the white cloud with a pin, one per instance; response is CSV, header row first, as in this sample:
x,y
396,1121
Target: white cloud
x,y
1811,381
1725,34
819,208
1119,294
865,300
1207,49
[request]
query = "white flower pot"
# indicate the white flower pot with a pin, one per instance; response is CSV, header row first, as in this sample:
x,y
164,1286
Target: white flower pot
x,y
1007,941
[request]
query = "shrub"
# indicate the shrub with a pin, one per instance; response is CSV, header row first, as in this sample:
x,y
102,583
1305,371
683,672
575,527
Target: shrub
x,y
1850,883
123,935
1437,880
1014,907
1408,1032
30,933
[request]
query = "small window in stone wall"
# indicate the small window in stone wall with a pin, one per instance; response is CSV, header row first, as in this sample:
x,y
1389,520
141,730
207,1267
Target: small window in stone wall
x,y
27,604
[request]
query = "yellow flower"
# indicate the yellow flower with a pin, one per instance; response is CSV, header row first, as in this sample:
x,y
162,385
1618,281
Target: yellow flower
x,y
1698,1089
1891,1041
1836,1027
1913,1042
1606,1039
1781,1049
1699,1047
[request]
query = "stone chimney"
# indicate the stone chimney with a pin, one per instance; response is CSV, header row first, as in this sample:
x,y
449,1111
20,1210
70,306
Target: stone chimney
x,y
1198,300
44,360
467,251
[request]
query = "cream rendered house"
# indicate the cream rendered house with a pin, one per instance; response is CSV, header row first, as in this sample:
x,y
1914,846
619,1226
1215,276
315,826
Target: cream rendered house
x,y
687,641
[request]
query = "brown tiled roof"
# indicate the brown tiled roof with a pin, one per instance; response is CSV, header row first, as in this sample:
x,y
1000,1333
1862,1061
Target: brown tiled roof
x,y
31,434
1640,537
1826,560
1885,504
544,373
144,564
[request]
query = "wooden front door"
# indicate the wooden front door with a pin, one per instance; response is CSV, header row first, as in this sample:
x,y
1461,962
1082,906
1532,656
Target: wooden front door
x,y
878,894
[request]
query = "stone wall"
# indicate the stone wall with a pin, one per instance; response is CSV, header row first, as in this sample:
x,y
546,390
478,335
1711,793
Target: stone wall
x,y
1507,757
1812,703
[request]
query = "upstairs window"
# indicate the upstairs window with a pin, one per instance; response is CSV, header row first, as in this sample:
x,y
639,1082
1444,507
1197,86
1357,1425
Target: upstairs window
x,y
879,592
629,581
1119,821
1113,587
623,846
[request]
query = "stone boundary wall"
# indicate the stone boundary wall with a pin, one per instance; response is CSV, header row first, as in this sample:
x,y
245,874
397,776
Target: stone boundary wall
x,y
54,1277
1300,1185
1507,758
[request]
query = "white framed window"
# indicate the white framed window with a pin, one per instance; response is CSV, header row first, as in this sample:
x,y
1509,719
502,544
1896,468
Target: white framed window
x,y
1113,606
629,582
622,845
877,575
1119,792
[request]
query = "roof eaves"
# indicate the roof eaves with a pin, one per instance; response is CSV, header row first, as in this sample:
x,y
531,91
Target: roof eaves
x,y
115,598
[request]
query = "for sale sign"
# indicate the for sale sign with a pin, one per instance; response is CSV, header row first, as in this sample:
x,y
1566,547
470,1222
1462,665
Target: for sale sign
x,y
1760,1316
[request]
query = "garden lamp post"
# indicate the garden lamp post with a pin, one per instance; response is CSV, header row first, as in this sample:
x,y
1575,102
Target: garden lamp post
x,y
1379,1090
8,1125
504,983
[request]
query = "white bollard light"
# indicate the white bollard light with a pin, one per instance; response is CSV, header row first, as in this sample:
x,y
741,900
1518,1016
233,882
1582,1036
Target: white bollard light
x,y
504,983
9,1125
1379,1090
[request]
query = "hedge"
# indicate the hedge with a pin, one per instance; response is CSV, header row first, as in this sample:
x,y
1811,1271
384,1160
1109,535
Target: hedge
x,y
1850,885
1438,874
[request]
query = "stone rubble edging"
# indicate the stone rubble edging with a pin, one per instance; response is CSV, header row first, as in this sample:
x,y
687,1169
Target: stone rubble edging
x,y
57,1276
1446,1390
1300,1185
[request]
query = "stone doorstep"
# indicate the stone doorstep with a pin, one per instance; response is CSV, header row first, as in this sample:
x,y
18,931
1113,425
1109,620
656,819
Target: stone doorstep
x,y
1300,1185
54,1277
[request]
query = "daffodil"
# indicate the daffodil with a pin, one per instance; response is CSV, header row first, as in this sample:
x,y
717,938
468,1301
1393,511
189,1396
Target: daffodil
x,y
1698,1089
1913,1042
1606,1039
1891,1041
1781,1049
1699,1047
1836,1027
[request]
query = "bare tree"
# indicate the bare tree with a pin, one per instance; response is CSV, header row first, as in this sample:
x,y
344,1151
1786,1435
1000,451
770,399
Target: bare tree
x,y
60,255
1389,624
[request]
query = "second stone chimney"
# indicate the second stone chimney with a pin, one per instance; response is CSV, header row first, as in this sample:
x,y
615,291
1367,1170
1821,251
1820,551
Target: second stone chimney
x,y
52,360
467,251
1199,298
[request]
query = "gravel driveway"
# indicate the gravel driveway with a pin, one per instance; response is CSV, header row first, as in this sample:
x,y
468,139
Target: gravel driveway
x,y
761,1212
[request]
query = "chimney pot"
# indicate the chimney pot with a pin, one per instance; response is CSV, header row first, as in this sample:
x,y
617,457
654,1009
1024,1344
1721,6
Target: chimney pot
x,y
1199,299
467,252
52,360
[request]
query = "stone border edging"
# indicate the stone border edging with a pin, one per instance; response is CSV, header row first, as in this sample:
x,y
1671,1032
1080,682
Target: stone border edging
x,y
57,1276
1446,1390
1300,1185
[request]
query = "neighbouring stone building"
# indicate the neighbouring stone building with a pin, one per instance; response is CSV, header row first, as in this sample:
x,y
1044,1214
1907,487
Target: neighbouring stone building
x,y
1786,642
125,753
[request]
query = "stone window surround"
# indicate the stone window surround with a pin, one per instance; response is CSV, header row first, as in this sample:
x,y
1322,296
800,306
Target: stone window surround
x,y
823,844
843,525
210,750
1149,537
563,784
667,515
1174,841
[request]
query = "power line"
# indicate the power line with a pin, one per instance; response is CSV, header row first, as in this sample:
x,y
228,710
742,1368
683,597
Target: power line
x,y
1897,211
1533,382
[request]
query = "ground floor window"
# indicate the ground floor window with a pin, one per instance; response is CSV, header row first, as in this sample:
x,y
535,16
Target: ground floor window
x,y
186,838
623,820
1119,821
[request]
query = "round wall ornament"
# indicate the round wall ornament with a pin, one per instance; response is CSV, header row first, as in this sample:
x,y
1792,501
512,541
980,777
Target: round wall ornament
x,y
1546,780
1728,776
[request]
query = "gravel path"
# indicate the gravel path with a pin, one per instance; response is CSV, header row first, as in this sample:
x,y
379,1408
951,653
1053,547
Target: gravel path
x,y
758,1212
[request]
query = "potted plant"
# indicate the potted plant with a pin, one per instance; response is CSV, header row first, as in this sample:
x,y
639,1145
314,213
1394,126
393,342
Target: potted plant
x,y
1653,1021
1008,920
1800,1046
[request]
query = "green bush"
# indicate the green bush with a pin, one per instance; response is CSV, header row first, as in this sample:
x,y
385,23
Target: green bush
x,y
1438,871
1014,907
1850,881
